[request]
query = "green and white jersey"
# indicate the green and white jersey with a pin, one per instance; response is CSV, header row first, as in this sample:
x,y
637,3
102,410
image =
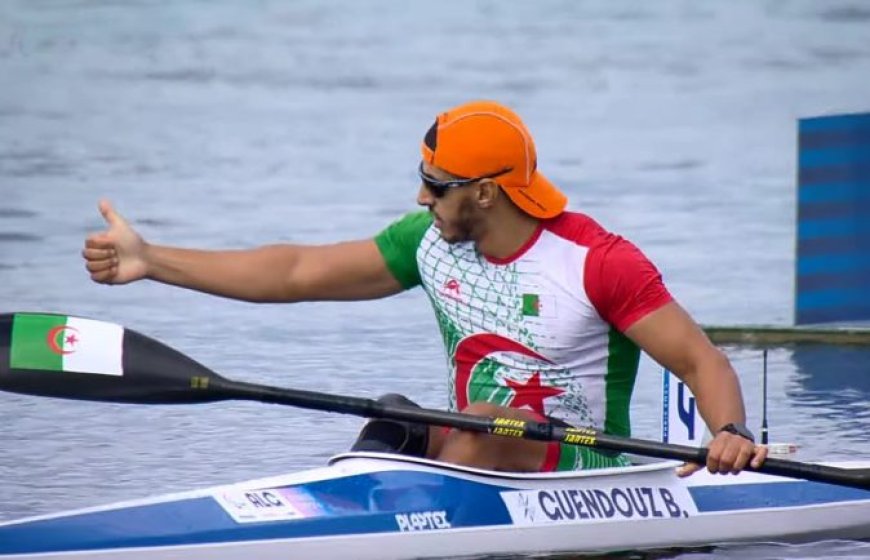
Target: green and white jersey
x,y
541,330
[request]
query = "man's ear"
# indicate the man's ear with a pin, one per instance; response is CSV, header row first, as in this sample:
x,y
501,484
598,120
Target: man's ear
x,y
488,192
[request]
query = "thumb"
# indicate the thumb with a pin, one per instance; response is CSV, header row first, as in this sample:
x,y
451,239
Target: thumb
x,y
688,469
110,215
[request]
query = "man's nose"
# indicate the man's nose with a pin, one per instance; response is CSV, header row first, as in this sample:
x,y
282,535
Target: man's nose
x,y
424,197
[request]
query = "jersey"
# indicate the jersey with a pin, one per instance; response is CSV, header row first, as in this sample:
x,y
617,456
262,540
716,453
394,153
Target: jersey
x,y
542,329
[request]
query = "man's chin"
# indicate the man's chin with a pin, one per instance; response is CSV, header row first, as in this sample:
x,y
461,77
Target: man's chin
x,y
450,234
445,235
451,238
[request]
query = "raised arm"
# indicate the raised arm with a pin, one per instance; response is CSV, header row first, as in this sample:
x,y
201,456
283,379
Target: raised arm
x,y
274,273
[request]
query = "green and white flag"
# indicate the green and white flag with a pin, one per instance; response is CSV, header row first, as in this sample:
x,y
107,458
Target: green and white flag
x,y
538,305
61,343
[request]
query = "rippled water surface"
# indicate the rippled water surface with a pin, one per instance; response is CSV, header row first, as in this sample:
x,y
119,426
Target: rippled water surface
x,y
230,124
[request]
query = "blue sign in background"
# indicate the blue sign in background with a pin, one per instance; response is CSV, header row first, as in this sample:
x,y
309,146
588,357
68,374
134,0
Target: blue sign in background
x,y
833,227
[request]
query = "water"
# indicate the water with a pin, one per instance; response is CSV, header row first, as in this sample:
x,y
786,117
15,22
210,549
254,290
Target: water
x,y
230,124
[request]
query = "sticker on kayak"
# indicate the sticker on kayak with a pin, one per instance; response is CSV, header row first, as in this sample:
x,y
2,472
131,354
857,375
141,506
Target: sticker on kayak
x,y
269,504
616,503
422,521
62,343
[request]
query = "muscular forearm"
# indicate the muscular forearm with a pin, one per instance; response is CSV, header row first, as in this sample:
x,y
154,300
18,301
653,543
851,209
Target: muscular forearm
x,y
717,391
258,275
350,270
673,339
720,402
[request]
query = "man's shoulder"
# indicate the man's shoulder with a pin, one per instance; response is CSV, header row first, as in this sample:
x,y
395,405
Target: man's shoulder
x,y
578,228
415,218
398,244
411,225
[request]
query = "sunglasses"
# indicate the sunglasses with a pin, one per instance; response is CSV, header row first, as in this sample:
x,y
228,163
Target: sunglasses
x,y
439,188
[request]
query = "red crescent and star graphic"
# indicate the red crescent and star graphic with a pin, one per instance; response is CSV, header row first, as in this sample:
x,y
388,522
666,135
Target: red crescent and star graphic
x,y
475,348
60,335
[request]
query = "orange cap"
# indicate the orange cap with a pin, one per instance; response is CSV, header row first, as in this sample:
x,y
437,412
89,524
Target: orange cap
x,y
484,137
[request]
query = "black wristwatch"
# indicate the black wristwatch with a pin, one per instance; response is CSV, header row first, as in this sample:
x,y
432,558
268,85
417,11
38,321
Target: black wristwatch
x,y
738,430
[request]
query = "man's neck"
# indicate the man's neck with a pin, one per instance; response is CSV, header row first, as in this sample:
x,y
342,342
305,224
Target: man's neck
x,y
507,234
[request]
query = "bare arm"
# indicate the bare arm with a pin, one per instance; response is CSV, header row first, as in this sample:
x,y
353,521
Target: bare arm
x,y
274,273
351,270
672,338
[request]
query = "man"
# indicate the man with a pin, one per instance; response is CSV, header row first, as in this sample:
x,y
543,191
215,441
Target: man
x,y
542,311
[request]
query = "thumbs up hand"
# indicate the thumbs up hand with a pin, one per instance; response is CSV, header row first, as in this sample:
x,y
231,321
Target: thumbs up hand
x,y
117,254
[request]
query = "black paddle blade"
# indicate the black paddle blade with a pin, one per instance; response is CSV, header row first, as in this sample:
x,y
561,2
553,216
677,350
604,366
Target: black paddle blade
x,y
74,358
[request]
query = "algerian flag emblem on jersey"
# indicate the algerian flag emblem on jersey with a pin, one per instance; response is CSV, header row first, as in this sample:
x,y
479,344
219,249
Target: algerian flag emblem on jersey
x,y
538,305
61,343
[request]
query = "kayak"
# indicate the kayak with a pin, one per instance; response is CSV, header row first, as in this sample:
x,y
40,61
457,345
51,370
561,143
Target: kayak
x,y
384,506
389,506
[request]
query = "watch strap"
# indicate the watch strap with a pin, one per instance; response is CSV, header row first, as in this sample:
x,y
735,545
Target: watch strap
x,y
738,429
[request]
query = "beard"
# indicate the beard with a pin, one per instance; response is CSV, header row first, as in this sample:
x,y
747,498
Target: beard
x,y
466,225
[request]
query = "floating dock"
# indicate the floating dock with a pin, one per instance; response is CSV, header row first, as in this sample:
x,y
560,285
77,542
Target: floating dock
x,y
771,335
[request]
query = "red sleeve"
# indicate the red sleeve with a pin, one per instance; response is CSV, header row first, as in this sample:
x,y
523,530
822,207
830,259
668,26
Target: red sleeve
x,y
623,285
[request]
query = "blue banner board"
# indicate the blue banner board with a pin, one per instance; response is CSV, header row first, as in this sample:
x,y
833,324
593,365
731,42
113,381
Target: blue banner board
x,y
833,220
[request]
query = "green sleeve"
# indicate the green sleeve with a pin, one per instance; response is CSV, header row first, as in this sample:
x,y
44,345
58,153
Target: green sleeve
x,y
398,244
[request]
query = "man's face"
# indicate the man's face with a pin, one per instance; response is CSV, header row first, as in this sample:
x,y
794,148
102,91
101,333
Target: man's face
x,y
450,203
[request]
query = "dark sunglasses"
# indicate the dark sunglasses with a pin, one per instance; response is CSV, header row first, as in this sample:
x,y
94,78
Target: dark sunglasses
x,y
439,188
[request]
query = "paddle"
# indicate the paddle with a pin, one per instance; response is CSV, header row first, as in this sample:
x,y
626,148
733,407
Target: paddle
x,y
109,363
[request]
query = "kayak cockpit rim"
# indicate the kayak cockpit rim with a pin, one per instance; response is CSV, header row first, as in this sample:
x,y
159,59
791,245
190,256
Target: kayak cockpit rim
x,y
383,459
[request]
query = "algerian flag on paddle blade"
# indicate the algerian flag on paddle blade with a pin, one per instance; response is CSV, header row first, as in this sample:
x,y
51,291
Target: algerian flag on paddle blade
x,y
61,343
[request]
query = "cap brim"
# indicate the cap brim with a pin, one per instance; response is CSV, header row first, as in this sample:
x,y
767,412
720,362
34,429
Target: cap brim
x,y
540,199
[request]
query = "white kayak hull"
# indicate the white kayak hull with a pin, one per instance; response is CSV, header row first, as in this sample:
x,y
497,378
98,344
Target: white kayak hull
x,y
381,507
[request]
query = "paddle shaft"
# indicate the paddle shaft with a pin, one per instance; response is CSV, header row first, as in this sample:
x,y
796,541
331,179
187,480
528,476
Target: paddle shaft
x,y
541,431
144,370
